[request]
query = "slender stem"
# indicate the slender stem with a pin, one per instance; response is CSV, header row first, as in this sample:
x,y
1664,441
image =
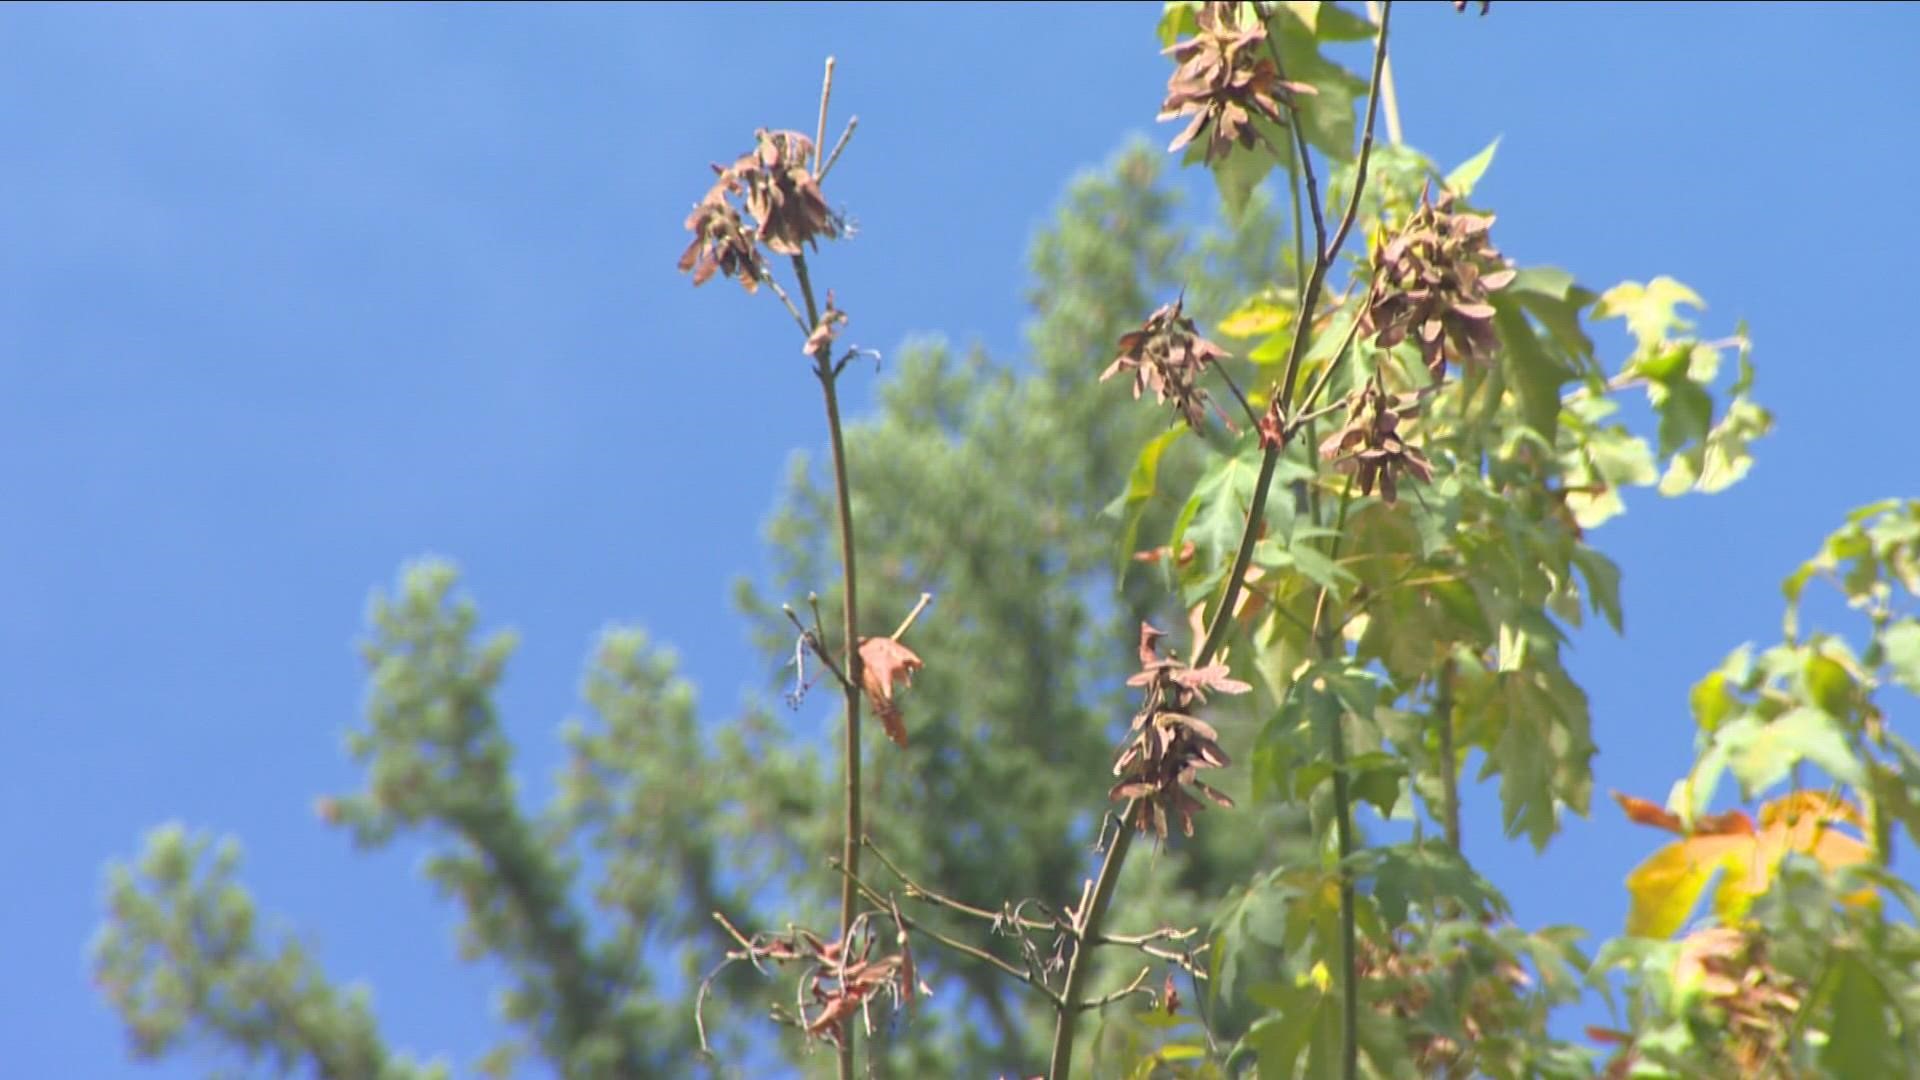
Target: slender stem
x,y
838,145
1253,418
774,283
1086,923
1449,768
850,841
1324,636
906,624
823,369
818,647
820,131
1299,237
1137,986
917,891
939,938
1389,100
1088,919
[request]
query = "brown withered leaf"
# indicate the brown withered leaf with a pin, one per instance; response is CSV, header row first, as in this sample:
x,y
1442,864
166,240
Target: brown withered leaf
x,y
721,243
1168,356
1273,427
781,192
1430,283
882,660
1166,745
823,334
1370,445
1224,80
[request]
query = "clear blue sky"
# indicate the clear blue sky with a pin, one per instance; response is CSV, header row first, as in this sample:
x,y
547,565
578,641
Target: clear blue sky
x,y
292,294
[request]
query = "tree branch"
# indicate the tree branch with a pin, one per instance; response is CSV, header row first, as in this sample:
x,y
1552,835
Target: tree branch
x,y
916,891
1087,920
941,939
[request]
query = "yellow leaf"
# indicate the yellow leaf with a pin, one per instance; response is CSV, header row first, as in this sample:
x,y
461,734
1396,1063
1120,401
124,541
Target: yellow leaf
x,y
1258,316
1665,889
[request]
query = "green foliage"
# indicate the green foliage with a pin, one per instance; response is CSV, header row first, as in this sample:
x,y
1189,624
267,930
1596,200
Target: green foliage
x,y
1436,476
184,961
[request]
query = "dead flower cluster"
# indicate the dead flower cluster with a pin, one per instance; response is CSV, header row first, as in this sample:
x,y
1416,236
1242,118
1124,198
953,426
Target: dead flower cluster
x,y
1168,745
776,187
1224,80
1371,442
1431,281
1168,356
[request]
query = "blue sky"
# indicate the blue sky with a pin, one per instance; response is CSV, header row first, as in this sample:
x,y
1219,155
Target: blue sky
x,y
290,295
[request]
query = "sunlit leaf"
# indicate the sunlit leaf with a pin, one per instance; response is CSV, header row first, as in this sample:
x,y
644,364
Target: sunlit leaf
x,y
1652,310
1467,174
1762,753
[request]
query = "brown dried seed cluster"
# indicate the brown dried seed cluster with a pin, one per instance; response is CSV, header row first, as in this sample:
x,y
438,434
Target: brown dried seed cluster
x,y
1168,356
781,192
1371,442
1413,978
1431,281
778,192
721,242
1755,1003
1224,80
1168,745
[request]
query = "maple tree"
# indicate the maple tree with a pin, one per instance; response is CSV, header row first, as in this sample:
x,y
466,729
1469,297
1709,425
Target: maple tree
x,y
1368,497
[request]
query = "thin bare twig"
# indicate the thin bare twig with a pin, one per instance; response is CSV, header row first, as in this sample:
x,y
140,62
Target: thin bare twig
x,y
824,371
906,624
943,940
818,647
1253,418
917,891
820,130
771,282
841,144
1132,988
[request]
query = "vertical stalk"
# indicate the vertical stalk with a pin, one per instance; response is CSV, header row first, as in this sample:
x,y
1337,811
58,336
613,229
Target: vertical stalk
x,y
1324,634
850,663
1449,767
1087,921
1389,99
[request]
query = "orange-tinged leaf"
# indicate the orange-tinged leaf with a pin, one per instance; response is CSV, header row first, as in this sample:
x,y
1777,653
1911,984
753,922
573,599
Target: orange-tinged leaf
x,y
1647,812
1731,823
1666,888
1808,804
882,660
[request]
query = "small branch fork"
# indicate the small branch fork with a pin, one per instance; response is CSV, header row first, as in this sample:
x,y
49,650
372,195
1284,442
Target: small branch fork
x,y
1165,944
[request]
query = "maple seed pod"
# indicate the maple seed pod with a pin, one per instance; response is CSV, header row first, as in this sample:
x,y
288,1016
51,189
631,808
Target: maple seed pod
x,y
1168,356
1431,281
1225,79
1167,746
